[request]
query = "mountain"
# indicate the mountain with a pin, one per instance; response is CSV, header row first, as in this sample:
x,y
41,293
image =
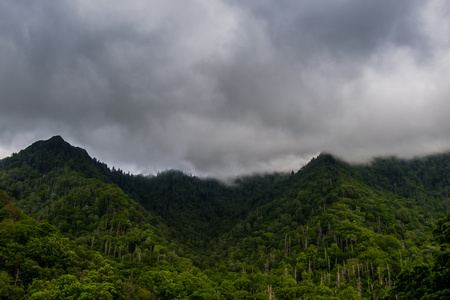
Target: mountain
x,y
72,227
43,156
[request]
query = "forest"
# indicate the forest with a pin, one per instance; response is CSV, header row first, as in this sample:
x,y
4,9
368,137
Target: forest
x,y
73,228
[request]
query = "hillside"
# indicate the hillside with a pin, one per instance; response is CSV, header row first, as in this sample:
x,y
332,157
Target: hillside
x,y
332,230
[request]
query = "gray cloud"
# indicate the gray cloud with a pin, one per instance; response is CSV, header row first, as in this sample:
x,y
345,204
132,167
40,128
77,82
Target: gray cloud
x,y
226,87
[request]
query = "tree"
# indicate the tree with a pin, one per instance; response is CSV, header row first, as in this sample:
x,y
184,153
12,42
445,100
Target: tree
x,y
428,282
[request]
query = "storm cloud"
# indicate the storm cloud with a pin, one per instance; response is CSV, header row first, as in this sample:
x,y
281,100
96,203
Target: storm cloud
x,y
224,87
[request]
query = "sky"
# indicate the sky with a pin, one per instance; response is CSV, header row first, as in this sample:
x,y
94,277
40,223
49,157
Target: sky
x,y
224,87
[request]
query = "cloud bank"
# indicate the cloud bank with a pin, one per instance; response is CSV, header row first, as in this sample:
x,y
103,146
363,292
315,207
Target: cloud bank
x,y
225,87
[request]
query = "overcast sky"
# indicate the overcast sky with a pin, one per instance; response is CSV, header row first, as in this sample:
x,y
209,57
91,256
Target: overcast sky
x,y
226,87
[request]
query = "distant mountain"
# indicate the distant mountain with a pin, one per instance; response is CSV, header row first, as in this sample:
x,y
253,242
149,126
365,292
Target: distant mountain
x,y
332,230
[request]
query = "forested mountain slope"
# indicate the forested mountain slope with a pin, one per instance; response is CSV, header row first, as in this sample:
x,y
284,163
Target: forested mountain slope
x,y
329,231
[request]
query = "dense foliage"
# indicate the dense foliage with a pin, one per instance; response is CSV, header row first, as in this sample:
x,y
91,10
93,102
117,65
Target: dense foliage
x,y
72,228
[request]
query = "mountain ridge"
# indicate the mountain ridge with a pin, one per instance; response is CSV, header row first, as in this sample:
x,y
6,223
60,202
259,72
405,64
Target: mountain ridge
x,y
331,230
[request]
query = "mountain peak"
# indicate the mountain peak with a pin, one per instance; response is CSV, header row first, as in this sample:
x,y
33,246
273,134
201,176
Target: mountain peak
x,y
56,145
325,158
55,142
46,154
56,138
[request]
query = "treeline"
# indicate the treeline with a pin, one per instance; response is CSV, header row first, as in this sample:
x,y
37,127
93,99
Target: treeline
x,y
73,228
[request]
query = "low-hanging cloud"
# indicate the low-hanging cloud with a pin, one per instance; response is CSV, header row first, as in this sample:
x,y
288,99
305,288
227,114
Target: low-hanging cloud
x,y
226,87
